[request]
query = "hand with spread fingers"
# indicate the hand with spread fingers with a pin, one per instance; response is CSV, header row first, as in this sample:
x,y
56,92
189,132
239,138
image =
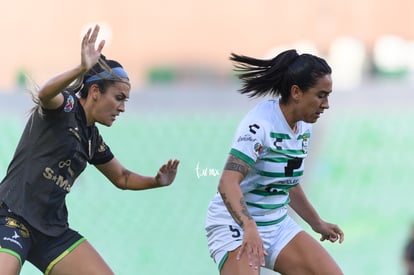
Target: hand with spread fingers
x,y
89,53
252,246
166,174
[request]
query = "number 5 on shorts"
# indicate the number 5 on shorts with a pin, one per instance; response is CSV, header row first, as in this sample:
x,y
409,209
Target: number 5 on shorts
x,y
236,232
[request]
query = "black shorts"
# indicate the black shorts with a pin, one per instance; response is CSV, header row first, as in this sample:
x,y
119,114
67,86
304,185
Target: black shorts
x,y
24,242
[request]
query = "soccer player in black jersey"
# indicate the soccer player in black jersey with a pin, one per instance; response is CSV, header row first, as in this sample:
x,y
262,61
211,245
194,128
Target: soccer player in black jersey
x,y
59,140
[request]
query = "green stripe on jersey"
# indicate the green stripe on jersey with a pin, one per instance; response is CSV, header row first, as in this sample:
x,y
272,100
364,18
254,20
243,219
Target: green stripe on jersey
x,y
242,156
287,152
267,193
272,222
279,135
268,206
278,175
276,186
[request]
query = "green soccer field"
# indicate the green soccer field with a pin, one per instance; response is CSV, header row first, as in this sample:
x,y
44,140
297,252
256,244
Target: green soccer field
x,y
358,175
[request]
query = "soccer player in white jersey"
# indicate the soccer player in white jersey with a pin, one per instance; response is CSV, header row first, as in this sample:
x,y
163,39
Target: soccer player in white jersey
x,y
247,222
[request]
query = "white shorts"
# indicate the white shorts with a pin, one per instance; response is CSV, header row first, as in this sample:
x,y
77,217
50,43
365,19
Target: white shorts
x,y
225,238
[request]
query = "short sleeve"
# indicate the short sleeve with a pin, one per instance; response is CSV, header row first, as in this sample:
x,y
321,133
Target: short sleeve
x,y
102,153
248,141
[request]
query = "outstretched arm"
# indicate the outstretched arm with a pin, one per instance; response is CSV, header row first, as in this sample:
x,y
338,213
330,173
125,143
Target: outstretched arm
x,y
125,179
302,206
50,94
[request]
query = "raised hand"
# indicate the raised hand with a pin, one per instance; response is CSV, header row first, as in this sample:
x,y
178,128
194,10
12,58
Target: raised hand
x,y
166,174
89,52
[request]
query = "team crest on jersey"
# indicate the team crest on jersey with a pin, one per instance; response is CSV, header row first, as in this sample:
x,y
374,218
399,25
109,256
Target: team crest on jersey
x,y
69,104
258,147
305,143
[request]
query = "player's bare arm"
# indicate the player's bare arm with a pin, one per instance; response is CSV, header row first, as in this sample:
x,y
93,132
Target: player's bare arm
x,y
49,94
235,164
125,179
235,170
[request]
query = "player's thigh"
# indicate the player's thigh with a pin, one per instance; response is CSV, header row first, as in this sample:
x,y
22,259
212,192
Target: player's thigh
x,y
14,241
83,260
232,266
304,255
9,264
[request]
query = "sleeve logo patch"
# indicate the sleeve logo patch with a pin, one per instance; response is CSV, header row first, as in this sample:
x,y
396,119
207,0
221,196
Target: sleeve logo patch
x,y
305,144
258,147
70,102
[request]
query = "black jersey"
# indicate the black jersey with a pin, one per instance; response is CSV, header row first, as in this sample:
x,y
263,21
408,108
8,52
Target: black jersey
x,y
54,149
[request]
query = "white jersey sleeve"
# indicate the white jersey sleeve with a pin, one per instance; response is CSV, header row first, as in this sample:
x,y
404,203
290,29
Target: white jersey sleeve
x,y
248,140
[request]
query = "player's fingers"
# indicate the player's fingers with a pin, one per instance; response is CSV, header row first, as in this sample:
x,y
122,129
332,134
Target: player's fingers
x,y
264,254
255,257
94,34
172,164
168,163
163,168
175,163
333,237
341,236
240,252
100,46
337,235
86,37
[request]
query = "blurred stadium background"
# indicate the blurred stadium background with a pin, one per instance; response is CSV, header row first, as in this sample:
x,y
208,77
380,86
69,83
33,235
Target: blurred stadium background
x,y
184,105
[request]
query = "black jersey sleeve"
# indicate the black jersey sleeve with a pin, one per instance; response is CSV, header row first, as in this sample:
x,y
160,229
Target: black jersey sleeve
x,y
101,151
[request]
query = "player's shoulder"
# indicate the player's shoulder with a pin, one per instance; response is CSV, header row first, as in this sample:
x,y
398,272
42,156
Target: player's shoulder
x,y
259,117
262,110
266,105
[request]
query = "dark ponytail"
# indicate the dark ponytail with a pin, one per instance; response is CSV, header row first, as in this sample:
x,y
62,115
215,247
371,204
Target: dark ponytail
x,y
276,76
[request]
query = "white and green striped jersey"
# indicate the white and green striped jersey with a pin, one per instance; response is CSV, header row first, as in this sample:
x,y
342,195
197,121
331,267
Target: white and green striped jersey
x,y
275,153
